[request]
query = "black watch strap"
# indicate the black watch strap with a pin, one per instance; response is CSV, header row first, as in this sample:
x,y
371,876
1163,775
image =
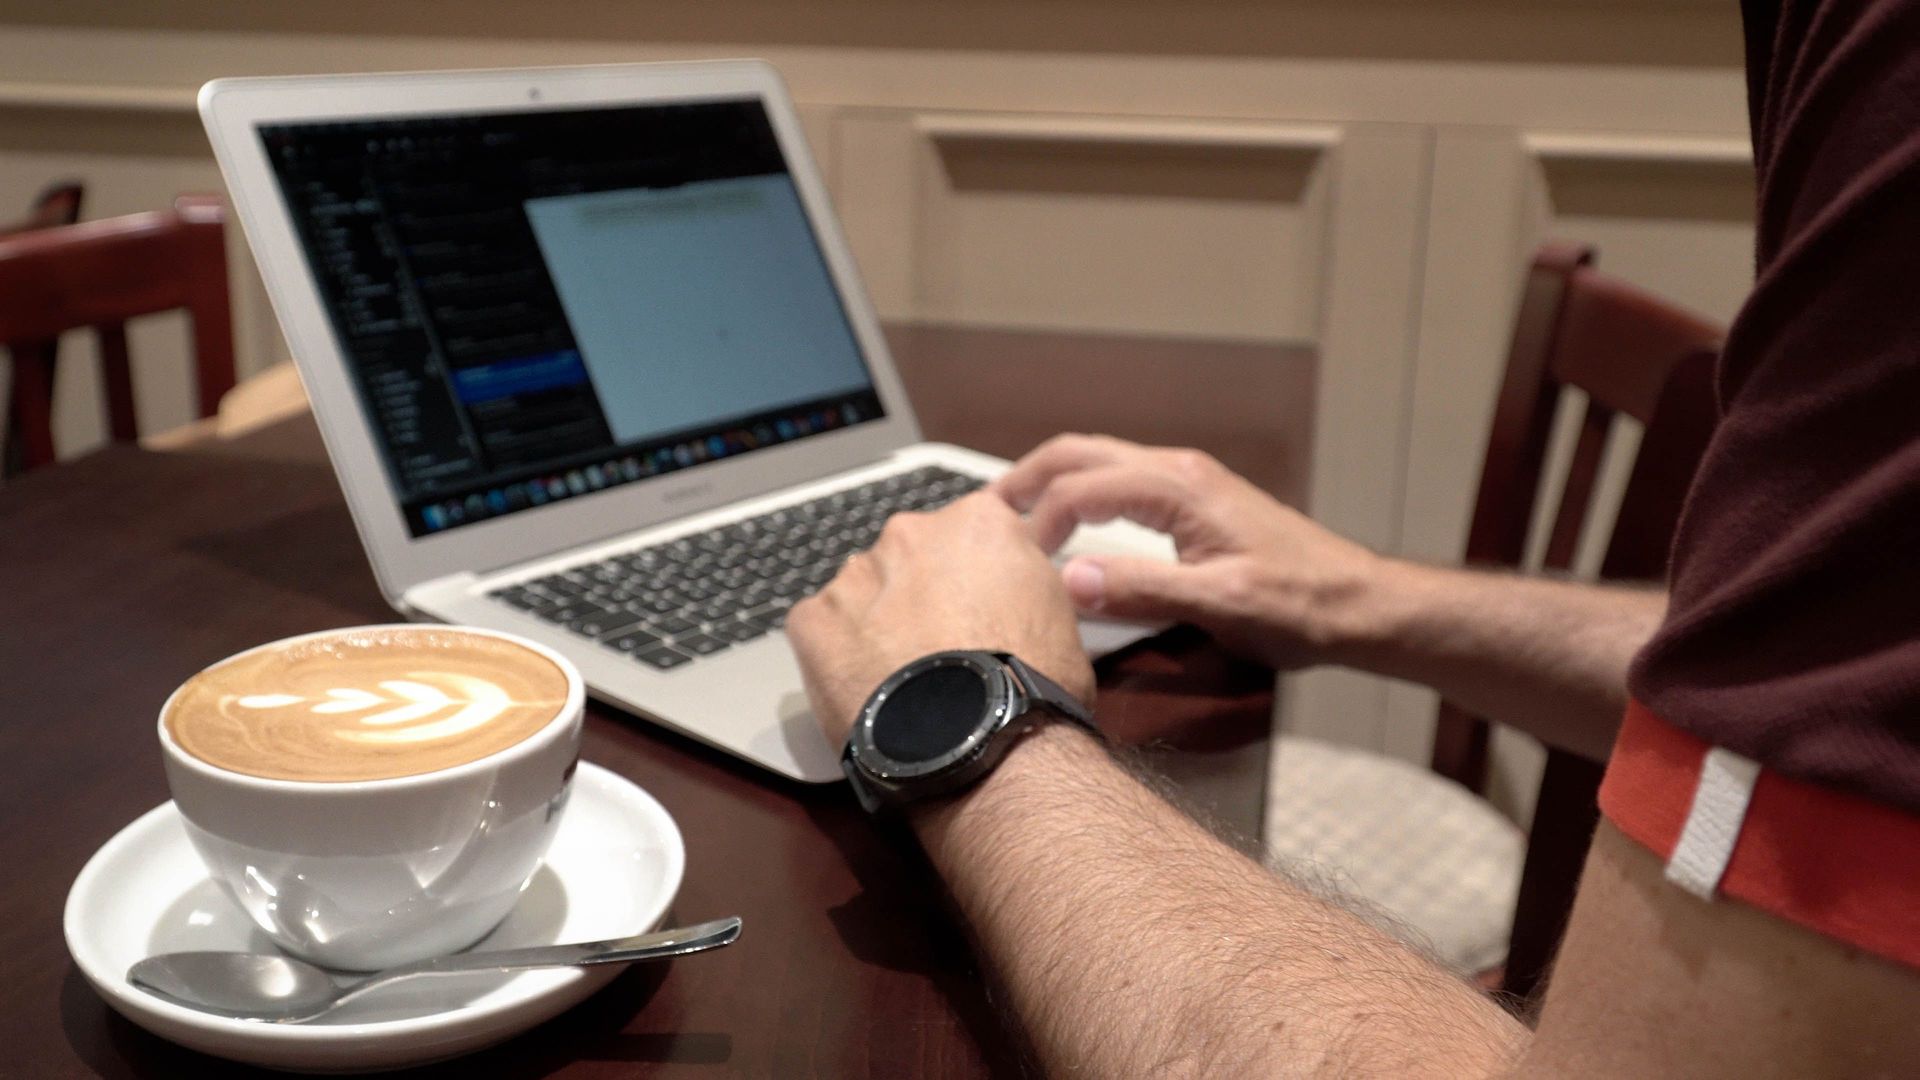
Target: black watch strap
x,y
1044,691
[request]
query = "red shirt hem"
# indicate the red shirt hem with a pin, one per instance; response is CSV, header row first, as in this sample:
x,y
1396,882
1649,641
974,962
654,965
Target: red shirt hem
x,y
1841,865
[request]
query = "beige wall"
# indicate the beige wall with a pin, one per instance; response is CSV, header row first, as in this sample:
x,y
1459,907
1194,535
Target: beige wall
x,y
1365,175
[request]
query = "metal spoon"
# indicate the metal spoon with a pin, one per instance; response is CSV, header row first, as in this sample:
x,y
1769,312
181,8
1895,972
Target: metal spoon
x,y
282,990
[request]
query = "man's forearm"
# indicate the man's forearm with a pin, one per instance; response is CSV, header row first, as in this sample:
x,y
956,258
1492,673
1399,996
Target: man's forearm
x,y
1134,943
1548,657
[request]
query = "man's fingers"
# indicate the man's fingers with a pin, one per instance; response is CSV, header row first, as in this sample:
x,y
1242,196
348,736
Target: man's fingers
x,y
1128,588
1144,496
1022,485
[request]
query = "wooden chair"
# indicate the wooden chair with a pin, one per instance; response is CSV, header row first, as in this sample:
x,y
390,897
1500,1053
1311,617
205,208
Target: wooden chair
x,y
99,275
1632,354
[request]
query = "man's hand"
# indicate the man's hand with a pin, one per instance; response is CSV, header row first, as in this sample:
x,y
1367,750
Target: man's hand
x,y
966,577
1547,656
1258,575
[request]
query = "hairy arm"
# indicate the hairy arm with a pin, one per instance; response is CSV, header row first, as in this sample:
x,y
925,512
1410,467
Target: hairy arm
x,y
1133,943
1548,657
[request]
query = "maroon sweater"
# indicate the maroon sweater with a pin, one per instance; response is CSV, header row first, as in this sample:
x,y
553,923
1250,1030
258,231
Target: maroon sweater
x,y
1794,632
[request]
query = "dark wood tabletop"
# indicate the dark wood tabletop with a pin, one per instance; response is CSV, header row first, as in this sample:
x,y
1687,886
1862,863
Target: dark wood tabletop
x,y
124,572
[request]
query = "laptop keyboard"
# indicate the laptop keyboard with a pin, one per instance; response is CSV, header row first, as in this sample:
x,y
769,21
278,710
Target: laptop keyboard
x,y
694,596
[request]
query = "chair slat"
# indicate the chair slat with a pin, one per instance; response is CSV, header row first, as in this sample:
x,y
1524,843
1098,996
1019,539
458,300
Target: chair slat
x,y
1576,495
30,415
118,376
1680,423
1633,354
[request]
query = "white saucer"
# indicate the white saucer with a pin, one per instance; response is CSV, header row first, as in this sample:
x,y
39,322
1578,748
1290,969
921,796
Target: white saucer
x,y
614,867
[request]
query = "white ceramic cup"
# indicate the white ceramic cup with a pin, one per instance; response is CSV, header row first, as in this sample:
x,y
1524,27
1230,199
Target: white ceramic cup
x,y
367,874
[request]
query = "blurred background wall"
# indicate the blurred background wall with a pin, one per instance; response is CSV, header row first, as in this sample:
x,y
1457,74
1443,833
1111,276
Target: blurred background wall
x,y
1367,176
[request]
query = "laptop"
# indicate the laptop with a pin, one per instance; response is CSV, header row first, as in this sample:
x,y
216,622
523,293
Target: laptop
x,y
592,362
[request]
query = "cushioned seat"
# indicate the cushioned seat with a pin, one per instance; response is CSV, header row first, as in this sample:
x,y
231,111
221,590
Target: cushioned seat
x,y
1438,860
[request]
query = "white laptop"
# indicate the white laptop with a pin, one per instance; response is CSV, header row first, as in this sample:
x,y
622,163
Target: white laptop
x,y
593,364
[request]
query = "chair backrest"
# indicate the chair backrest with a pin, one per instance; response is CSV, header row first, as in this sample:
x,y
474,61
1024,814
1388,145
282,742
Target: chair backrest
x,y
98,275
1634,354
1580,329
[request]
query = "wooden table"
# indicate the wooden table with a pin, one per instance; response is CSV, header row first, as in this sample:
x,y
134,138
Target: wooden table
x,y
123,573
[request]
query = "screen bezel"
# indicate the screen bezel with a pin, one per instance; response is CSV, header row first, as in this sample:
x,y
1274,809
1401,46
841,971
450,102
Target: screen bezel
x,y
234,109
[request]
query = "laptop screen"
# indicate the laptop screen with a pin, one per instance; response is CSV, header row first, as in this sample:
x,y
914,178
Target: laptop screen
x,y
537,306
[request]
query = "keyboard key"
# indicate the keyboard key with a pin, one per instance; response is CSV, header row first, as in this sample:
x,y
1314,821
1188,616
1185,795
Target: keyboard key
x,y
655,604
699,644
672,624
662,657
772,616
560,586
519,597
578,609
673,597
605,626
631,641
737,630
719,608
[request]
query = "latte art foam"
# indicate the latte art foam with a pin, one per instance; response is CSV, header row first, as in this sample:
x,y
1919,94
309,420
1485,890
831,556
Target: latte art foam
x,y
366,704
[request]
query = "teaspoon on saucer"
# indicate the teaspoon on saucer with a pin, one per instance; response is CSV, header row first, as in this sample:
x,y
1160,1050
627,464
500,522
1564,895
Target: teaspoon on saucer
x,y
279,989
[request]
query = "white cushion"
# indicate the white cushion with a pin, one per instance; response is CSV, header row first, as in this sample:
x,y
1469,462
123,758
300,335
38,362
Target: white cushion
x,y
1428,853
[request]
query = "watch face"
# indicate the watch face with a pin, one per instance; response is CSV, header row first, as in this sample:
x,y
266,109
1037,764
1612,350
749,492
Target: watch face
x,y
931,714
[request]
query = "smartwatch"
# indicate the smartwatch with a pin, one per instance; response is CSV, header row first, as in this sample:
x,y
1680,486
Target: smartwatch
x,y
944,721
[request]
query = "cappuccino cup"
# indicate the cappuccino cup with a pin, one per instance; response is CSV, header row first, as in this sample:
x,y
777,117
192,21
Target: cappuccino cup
x,y
380,794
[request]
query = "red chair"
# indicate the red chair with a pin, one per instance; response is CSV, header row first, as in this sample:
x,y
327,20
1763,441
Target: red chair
x,y
99,275
1633,354
1427,851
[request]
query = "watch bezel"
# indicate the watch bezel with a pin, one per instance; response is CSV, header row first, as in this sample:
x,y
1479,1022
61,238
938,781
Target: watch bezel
x,y
1004,700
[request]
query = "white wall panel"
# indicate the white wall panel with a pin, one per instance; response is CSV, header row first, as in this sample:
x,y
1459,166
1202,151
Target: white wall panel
x,y
1183,227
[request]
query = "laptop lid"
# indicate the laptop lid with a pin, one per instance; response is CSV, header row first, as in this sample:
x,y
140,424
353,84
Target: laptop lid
x,y
537,308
